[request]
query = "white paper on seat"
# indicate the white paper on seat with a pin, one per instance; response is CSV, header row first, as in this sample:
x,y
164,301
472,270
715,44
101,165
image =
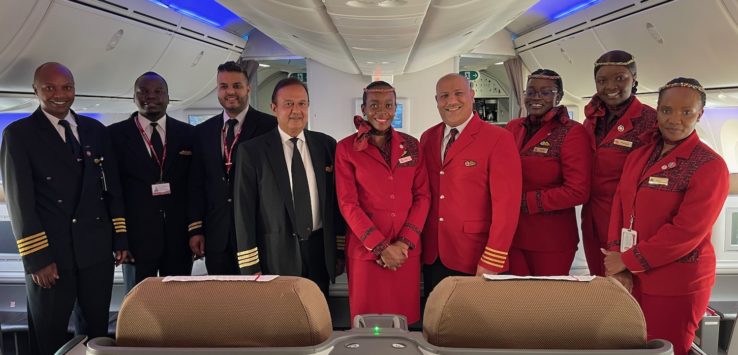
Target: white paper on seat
x,y
576,278
257,278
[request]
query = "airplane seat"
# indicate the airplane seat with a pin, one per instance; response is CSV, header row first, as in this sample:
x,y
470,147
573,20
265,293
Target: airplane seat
x,y
471,312
284,312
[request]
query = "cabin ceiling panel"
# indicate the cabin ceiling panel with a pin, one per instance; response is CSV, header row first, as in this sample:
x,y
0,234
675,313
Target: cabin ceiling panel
x,y
390,37
22,9
701,45
455,27
303,27
198,63
572,57
96,66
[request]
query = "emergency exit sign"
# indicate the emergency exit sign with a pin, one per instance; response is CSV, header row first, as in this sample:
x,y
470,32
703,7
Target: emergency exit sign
x,y
300,76
470,74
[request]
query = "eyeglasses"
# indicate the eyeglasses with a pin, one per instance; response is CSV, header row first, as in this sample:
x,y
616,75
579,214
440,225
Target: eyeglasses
x,y
545,93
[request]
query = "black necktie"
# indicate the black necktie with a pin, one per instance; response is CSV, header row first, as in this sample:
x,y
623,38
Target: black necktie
x,y
69,137
156,142
301,194
230,132
451,140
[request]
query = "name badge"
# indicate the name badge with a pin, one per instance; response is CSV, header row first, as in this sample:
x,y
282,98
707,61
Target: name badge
x,y
628,239
623,143
655,180
540,150
160,188
406,159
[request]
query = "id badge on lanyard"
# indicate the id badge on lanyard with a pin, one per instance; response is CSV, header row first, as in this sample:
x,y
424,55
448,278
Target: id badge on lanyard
x,y
628,237
161,187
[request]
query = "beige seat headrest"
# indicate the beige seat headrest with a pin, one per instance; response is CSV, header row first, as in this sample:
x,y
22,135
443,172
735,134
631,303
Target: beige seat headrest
x,y
472,312
287,311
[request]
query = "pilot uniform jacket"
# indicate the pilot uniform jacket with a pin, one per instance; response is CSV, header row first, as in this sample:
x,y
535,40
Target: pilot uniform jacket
x,y
155,222
211,189
475,197
557,167
634,129
675,202
382,204
264,211
58,208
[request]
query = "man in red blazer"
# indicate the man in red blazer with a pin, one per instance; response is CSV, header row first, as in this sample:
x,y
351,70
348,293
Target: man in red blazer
x,y
476,184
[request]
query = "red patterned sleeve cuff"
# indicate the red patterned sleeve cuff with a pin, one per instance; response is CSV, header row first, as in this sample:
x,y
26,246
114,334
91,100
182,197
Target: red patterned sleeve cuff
x,y
635,261
409,244
377,251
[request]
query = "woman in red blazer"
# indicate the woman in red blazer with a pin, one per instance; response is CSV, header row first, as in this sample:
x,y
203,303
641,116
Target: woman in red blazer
x,y
556,156
670,194
617,124
384,196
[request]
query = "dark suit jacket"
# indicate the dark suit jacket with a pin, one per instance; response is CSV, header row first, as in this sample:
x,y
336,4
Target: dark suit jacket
x,y
211,189
264,210
154,222
58,208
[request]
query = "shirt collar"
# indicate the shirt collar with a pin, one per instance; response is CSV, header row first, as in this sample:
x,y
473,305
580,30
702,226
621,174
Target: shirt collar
x,y
459,128
286,137
55,121
145,123
240,117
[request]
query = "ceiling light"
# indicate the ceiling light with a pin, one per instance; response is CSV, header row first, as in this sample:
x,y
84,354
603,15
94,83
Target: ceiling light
x,y
499,63
392,3
262,65
575,8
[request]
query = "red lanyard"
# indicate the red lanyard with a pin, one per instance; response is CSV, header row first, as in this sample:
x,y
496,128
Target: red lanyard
x,y
159,162
228,151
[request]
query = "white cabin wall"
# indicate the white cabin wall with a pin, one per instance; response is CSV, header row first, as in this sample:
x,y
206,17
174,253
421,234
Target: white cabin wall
x,y
332,99
420,90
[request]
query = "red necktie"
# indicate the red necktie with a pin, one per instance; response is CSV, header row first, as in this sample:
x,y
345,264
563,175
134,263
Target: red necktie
x,y
451,140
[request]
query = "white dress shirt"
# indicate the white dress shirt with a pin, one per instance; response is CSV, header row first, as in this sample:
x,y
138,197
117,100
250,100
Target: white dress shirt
x,y
447,134
59,128
241,117
287,147
161,127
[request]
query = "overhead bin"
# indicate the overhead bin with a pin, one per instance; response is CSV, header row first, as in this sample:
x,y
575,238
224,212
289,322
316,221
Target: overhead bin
x,y
108,44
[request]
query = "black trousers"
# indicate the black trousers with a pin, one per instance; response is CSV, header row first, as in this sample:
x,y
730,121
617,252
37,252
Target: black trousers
x,y
223,262
312,253
49,309
434,273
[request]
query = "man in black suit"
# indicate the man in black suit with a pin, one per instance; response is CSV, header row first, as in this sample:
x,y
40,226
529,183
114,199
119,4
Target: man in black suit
x,y
287,213
66,209
211,226
154,152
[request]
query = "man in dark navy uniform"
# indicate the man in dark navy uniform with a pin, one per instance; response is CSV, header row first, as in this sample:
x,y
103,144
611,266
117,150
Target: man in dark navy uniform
x,y
154,152
212,229
65,205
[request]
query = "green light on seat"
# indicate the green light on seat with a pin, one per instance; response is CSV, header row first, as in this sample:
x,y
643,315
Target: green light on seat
x,y
376,330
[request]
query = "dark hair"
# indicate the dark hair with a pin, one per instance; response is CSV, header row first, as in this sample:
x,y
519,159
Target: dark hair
x,y
687,82
375,85
548,72
232,67
288,82
152,74
618,56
